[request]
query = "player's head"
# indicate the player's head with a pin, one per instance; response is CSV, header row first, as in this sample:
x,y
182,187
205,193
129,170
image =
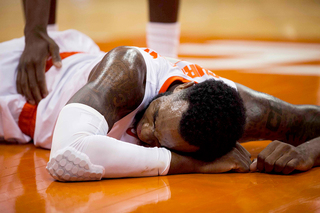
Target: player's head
x,y
207,119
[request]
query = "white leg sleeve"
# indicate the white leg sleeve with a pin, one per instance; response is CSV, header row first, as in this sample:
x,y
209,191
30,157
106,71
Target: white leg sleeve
x,y
82,151
164,38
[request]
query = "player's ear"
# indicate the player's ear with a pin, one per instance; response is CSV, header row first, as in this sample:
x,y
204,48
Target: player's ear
x,y
183,86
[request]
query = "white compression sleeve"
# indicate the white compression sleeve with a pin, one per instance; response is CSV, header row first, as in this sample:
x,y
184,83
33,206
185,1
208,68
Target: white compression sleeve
x,y
82,151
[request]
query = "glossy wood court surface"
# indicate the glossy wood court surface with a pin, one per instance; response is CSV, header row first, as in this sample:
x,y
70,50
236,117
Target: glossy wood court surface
x,y
269,46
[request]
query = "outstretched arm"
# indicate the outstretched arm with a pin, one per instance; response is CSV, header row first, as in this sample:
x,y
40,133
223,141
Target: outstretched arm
x,y
294,129
269,118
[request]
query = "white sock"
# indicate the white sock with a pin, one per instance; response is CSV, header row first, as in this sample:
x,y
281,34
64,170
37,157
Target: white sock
x,y
52,27
164,38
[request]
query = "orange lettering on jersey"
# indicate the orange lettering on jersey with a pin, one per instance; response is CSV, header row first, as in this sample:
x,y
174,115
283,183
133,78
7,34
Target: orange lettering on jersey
x,y
209,72
199,69
193,71
152,53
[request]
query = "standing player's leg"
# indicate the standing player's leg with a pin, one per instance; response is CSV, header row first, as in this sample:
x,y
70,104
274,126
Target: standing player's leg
x,y
52,26
163,30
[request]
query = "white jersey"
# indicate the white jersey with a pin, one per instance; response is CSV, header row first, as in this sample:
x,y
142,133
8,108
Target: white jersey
x,y
20,121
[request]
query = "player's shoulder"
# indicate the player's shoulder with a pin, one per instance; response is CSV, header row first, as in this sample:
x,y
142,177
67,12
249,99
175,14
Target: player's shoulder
x,y
122,73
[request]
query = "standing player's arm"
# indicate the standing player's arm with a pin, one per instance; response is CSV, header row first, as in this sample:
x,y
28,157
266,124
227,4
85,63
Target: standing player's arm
x,y
294,130
31,81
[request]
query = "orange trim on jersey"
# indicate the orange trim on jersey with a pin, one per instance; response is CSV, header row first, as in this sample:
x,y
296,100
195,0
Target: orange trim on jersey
x,y
62,55
27,117
129,132
170,80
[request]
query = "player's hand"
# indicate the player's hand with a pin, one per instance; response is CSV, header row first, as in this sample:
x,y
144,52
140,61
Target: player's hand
x,y
31,81
237,160
279,157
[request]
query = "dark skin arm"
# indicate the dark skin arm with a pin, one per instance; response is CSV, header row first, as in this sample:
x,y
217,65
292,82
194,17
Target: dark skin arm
x,y
294,130
31,81
237,160
269,118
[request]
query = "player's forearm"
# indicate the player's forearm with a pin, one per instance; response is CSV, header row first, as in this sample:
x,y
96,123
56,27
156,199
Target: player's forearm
x,y
270,118
237,160
37,15
182,164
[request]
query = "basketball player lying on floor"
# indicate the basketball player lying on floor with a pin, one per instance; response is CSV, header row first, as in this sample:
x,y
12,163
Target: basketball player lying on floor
x,y
193,129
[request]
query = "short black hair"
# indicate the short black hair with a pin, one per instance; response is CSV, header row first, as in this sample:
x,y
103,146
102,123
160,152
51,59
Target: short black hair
x,y
214,120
